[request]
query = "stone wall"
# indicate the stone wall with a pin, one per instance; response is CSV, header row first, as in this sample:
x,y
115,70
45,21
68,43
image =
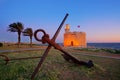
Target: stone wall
x,y
75,39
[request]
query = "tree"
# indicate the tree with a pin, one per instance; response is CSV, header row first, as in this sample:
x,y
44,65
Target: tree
x,y
28,32
16,27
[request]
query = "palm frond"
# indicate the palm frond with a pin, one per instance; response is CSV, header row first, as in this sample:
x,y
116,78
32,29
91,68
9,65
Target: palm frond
x,y
20,26
28,32
16,27
13,27
12,30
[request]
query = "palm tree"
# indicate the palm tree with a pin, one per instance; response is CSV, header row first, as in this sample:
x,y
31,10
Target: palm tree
x,y
16,27
28,32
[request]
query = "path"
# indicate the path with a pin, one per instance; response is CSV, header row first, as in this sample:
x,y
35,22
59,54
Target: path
x,y
17,50
30,49
113,57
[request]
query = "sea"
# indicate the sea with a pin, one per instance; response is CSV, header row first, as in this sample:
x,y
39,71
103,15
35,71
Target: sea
x,y
104,45
98,45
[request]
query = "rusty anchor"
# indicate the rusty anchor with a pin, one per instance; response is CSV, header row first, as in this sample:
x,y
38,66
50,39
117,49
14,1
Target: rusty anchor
x,y
45,39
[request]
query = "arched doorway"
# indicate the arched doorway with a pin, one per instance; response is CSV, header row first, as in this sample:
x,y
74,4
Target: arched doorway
x,y
71,43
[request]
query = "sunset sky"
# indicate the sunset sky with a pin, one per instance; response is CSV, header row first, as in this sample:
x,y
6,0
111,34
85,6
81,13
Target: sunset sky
x,y
100,19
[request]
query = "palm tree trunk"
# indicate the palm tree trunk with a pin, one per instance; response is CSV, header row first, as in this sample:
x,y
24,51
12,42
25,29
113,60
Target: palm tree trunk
x,y
30,41
19,39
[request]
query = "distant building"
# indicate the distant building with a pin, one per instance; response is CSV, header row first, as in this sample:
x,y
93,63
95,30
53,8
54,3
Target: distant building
x,y
76,39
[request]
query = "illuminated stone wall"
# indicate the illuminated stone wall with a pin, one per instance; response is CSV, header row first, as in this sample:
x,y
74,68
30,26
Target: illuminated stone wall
x,y
74,38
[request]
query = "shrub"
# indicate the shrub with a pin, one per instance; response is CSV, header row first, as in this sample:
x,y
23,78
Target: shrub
x,y
114,51
1,44
117,51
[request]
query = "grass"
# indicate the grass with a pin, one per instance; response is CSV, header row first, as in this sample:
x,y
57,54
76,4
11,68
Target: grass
x,y
56,68
13,47
113,51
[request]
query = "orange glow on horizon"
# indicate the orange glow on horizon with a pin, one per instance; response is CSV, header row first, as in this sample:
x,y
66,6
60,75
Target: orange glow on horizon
x,y
107,40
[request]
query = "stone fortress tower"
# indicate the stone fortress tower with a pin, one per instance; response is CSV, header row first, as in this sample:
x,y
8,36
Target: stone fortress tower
x,y
76,39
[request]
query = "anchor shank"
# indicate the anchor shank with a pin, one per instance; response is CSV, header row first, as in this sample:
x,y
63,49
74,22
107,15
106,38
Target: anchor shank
x,y
40,62
59,28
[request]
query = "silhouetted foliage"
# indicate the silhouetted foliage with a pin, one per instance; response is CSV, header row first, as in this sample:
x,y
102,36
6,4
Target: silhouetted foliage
x,y
28,32
1,44
16,27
